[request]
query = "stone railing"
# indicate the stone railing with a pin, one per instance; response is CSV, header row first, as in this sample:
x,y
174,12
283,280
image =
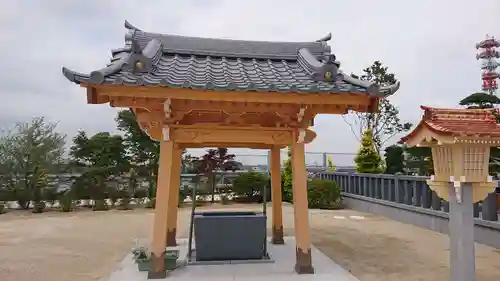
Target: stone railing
x,y
408,199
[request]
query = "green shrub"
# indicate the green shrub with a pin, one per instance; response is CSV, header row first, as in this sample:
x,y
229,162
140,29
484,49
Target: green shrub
x,y
139,194
2,207
201,200
114,195
66,203
183,192
323,194
151,203
286,179
50,195
224,200
250,184
246,200
39,207
100,205
367,159
124,204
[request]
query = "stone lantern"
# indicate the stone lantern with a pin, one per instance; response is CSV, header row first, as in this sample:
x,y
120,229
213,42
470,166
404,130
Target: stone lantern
x,y
460,140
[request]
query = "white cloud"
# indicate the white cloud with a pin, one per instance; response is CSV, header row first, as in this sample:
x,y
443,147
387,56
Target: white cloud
x,y
428,44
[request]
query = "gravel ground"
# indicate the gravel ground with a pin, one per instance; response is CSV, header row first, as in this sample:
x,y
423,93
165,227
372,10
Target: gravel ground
x,y
85,245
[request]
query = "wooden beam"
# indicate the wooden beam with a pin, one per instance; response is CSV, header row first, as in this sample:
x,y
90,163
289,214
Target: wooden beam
x,y
91,95
199,136
230,136
231,145
233,96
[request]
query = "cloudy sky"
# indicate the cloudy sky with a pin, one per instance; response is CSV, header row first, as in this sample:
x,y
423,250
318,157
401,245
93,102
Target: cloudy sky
x,y
429,45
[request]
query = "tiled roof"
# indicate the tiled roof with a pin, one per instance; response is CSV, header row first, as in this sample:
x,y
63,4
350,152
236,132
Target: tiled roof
x,y
459,122
150,59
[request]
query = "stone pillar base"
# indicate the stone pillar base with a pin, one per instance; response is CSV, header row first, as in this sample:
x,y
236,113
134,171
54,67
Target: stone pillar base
x,y
303,264
277,236
157,270
171,241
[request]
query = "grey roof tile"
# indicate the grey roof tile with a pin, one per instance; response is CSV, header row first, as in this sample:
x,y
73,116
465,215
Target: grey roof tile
x,y
150,59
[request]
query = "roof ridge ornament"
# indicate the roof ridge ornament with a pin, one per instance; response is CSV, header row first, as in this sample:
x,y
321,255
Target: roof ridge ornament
x,y
128,25
325,38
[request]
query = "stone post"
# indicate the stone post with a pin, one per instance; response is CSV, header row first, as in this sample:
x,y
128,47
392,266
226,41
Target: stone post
x,y
462,250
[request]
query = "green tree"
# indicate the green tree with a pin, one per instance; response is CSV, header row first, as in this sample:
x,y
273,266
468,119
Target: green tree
x,y
29,152
102,155
331,167
367,159
287,178
144,151
480,100
189,163
384,124
394,159
419,160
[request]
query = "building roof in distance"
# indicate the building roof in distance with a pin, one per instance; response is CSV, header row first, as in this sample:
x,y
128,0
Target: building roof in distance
x,y
151,59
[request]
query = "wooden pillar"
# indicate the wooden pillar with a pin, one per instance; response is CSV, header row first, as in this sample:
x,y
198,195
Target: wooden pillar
x,y
175,183
303,263
158,245
276,197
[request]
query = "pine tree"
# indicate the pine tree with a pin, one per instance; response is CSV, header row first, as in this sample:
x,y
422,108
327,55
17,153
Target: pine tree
x,y
331,167
367,159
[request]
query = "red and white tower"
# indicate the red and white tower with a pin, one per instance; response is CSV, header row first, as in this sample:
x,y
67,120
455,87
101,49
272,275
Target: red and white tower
x,y
488,54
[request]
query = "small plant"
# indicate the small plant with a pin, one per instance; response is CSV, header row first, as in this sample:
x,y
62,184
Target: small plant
x,y
124,204
100,205
39,207
224,200
113,195
140,253
141,256
183,193
2,207
151,203
124,201
50,195
66,203
331,167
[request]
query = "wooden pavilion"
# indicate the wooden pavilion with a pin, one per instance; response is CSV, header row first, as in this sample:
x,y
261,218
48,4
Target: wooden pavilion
x,y
192,92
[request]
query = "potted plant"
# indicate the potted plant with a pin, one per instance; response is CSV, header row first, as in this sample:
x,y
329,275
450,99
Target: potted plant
x,y
142,258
